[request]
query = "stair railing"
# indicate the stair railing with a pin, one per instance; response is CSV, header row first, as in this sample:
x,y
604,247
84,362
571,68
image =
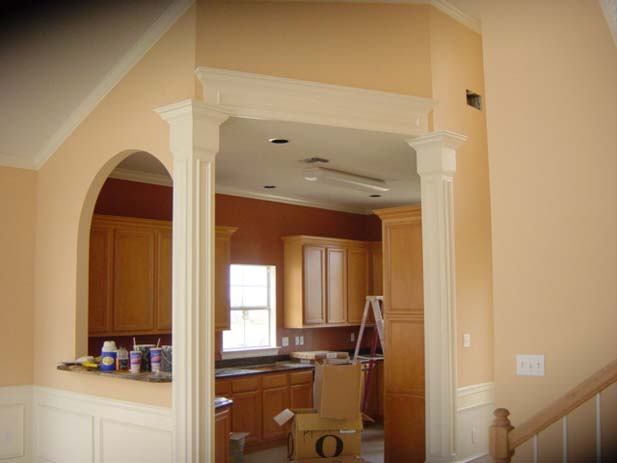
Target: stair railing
x,y
504,438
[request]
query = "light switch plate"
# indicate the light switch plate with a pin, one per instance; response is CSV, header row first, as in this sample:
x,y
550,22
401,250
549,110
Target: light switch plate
x,y
297,340
284,341
467,340
530,365
301,340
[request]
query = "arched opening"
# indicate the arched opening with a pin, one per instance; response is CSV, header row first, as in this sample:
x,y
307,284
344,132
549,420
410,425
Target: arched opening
x,y
124,255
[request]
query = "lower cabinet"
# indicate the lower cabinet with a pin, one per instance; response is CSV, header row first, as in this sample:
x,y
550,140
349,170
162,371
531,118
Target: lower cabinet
x,y
222,428
259,398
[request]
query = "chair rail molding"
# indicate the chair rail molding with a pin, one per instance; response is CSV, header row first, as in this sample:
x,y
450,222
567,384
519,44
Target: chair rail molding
x,y
258,96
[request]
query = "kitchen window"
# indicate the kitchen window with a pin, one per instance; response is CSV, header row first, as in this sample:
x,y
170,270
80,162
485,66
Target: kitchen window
x,y
252,294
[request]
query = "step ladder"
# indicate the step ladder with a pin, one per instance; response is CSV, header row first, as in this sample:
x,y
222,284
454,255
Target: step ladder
x,y
373,303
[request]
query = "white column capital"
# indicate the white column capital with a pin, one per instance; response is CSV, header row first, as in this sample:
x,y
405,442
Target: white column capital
x,y
194,129
436,152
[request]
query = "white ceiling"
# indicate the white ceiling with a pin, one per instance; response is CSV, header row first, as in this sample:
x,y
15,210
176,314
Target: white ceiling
x,y
53,55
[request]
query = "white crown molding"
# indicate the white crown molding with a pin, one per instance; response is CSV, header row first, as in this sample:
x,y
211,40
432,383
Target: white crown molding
x,y
111,79
232,191
19,162
141,177
442,5
259,96
609,8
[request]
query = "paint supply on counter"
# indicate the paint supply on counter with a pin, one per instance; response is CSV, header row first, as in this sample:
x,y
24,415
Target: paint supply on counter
x,y
135,361
166,358
122,360
145,355
155,359
109,353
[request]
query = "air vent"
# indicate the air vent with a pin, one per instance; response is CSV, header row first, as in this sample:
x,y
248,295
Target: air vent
x,y
315,160
474,100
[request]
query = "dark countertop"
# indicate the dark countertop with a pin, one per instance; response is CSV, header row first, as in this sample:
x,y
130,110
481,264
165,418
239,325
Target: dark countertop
x,y
147,376
242,370
222,402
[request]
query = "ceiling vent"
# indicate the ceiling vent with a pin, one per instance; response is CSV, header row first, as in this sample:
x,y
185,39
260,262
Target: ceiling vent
x,y
315,160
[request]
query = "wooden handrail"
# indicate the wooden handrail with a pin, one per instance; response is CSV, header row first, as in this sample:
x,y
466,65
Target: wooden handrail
x,y
504,438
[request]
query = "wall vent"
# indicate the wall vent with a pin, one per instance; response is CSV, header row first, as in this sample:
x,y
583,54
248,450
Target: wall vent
x,y
474,100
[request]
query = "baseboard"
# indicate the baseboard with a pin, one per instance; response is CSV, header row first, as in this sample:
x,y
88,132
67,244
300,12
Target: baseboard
x,y
474,405
16,424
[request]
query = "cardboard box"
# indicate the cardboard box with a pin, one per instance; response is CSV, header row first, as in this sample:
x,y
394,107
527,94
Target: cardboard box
x,y
315,437
337,391
317,355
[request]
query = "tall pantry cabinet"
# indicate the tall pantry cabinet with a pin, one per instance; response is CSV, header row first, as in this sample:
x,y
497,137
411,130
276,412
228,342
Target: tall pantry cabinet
x,y
404,332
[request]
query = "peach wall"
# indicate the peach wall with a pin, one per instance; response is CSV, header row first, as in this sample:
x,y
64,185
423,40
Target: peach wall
x,y
456,65
382,47
551,83
123,121
17,207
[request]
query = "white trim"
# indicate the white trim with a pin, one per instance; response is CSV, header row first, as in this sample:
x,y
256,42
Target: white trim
x,y
443,5
609,8
111,79
474,414
142,177
472,458
233,191
476,395
18,398
248,353
258,96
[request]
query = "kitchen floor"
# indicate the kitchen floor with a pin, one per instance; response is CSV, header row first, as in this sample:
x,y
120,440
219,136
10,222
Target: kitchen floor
x,y
372,449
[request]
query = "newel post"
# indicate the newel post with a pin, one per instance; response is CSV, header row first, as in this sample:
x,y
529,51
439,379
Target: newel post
x,y
499,445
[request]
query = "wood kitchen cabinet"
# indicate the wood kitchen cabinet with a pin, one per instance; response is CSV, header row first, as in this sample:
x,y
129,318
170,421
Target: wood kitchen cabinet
x,y
130,276
326,280
222,428
258,398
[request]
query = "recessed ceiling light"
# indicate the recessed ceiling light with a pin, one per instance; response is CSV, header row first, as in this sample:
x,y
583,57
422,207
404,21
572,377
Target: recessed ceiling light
x,y
375,196
278,141
269,187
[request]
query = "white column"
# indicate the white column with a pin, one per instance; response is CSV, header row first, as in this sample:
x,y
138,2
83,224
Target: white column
x,y
194,143
436,164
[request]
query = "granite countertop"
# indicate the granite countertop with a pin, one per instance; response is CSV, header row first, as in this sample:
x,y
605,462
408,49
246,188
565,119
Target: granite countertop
x,y
147,376
242,370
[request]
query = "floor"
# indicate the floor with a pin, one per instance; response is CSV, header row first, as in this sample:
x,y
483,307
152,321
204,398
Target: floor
x,y
372,449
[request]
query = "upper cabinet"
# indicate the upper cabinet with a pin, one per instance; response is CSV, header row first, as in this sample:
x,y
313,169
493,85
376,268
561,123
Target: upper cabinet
x,y
326,280
130,277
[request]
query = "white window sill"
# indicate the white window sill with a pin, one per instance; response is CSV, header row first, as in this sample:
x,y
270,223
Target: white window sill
x,y
247,353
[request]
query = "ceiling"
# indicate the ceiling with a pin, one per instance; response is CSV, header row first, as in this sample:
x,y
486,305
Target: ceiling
x,y
247,161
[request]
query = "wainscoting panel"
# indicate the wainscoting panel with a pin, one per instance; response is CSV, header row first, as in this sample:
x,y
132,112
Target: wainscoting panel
x,y
15,424
474,416
80,428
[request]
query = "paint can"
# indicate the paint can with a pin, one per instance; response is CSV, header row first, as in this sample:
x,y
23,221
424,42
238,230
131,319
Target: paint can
x,y
145,355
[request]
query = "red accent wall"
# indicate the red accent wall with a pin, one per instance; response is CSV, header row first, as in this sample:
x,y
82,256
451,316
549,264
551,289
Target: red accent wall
x,y
261,224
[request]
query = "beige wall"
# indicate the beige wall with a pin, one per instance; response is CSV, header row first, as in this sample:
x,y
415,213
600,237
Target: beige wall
x,y
551,83
382,47
456,65
17,202
123,121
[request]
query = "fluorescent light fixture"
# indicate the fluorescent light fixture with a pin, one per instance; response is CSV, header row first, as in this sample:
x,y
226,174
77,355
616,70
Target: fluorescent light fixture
x,y
340,178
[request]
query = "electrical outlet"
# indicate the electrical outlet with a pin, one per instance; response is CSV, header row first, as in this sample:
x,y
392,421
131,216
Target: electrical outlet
x,y
353,336
530,365
301,340
285,341
297,340
467,340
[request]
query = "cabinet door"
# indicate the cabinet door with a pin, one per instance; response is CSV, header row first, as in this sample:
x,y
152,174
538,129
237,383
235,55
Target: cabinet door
x,y
163,280
274,401
246,416
357,283
301,395
314,285
222,428
100,285
221,282
133,279
376,270
336,287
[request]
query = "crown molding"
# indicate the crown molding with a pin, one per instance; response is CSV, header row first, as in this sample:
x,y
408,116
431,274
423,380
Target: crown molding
x,y
609,8
243,94
141,177
111,79
233,191
18,162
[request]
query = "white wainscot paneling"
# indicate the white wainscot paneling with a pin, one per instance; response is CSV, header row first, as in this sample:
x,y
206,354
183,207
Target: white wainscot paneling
x,y
474,416
80,428
15,423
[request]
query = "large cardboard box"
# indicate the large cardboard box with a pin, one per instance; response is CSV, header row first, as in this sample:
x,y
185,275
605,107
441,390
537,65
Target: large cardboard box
x,y
315,437
337,391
